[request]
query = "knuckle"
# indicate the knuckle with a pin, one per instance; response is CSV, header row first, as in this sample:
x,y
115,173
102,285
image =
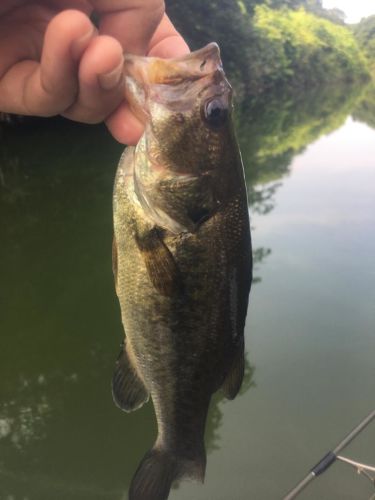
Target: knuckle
x,y
61,97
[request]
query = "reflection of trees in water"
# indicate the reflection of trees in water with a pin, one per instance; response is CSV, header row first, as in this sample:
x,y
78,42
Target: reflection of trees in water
x,y
215,415
261,198
52,426
274,129
48,488
365,109
53,192
22,417
259,254
24,413
26,421
57,309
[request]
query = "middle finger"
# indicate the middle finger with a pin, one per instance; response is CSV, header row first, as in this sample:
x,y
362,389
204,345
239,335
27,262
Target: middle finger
x,y
100,81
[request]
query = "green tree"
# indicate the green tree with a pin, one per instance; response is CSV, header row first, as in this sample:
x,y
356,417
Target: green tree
x,y
271,43
365,110
228,22
302,49
365,34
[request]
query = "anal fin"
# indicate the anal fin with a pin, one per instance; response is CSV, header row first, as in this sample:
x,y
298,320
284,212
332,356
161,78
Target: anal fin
x,y
128,390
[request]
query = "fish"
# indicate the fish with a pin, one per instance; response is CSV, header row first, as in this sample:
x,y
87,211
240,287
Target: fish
x,y
182,259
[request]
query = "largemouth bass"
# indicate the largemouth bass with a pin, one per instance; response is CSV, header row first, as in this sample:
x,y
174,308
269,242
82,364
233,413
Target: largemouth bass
x,y
181,259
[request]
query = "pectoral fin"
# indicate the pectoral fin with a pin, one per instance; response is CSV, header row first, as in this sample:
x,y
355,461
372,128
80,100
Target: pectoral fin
x,y
128,390
161,266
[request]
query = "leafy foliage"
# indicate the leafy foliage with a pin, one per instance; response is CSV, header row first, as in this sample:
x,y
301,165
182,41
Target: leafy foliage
x,y
365,110
270,43
302,49
227,22
365,34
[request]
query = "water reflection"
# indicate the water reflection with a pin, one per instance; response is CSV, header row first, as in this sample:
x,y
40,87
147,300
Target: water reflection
x,y
215,415
22,418
274,129
60,323
60,434
365,109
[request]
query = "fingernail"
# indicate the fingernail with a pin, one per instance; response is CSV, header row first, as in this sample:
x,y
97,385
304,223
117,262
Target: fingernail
x,y
110,80
80,44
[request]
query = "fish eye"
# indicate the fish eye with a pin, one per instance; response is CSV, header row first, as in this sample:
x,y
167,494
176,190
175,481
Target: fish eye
x,y
215,112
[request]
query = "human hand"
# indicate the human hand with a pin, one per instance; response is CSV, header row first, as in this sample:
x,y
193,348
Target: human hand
x,y
54,61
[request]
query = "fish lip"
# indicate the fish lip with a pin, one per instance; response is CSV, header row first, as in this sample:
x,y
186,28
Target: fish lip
x,y
207,58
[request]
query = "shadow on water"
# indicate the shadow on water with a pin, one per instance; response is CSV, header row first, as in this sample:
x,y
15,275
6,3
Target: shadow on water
x,y
60,434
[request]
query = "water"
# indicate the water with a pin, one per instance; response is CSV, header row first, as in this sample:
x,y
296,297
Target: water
x,y
310,332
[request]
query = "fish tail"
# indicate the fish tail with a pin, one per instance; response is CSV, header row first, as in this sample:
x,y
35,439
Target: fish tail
x,y
157,471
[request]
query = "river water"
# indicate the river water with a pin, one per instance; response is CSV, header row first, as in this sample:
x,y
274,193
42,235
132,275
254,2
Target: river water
x,y
310,167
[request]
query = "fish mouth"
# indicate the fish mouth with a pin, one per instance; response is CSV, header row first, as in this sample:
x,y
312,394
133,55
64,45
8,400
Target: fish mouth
x,y
175,83
190,67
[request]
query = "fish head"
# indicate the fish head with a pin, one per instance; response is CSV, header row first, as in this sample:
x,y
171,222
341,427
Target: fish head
x,y
185,105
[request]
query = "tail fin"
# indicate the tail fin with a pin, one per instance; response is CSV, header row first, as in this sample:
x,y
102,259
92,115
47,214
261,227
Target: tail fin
x,y
157,471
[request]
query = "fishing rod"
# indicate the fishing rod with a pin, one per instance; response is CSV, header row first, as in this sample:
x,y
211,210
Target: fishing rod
x,y
332,456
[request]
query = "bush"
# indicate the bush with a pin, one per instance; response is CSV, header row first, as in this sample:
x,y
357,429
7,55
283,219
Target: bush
x,y
301,49
264,47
